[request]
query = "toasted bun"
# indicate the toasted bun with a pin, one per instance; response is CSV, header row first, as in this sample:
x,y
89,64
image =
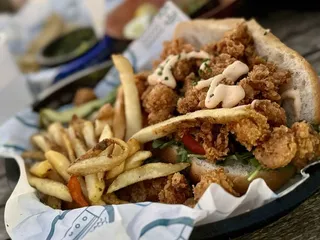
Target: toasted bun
x,y
236,171
305,79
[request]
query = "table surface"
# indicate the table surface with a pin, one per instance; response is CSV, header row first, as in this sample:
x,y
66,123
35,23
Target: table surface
x,y
300,31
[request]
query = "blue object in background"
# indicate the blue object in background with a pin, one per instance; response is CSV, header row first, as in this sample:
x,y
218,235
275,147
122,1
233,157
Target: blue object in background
x,y
97,54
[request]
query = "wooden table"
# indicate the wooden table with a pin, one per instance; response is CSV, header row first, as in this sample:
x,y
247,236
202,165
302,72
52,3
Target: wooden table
x,y
300,31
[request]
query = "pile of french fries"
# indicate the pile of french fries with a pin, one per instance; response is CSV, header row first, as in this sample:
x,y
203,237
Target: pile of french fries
x,y
84,163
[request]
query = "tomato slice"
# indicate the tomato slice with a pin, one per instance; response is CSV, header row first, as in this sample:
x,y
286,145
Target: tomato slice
x,y
193,145
75,191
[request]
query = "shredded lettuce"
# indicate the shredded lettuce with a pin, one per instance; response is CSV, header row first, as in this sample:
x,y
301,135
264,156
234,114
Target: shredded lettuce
x,y
196,156
161,143
254,173
182,152
184,155
316,127
246,158
254,162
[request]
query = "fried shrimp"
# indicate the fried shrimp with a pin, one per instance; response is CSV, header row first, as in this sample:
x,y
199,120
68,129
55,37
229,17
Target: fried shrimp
x,y
275,114
141,82
173,47
265,80
278,150
233,43
308,144
192,96
250,131
216,65
147,190
159,102
215,140
216,176
176,190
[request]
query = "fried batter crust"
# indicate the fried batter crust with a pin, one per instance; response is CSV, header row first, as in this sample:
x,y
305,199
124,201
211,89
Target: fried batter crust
x,y
233,43
141,82
264,81
274,112
176,191
278,150
216,176
147,190
250,131
193,99
215,139
308,144
159,102
173,47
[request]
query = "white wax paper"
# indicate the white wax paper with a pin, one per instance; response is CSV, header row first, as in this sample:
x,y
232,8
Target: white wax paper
x,y
27,218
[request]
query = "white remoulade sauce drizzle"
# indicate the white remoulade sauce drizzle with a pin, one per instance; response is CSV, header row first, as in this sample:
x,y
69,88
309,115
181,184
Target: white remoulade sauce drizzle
x,y
230,96
163,73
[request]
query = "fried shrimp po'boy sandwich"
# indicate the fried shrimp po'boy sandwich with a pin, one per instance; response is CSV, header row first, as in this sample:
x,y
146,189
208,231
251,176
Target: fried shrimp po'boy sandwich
x,y
229,95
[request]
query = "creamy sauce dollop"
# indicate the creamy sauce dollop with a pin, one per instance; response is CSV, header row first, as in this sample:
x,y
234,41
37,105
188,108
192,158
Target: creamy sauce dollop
x,y
233,72
163,73
295,96
230,96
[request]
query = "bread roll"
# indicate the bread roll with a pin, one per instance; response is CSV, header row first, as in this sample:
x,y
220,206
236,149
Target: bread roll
x,y
304,77
236,171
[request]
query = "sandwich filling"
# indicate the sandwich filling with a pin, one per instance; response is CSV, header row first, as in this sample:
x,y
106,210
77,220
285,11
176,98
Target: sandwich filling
x,y
226,74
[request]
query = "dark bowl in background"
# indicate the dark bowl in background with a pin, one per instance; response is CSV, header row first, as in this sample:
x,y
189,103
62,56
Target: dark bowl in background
x,y
62,93
67,47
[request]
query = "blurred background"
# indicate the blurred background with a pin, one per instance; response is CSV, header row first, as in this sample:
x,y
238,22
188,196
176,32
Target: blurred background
x,y
44,43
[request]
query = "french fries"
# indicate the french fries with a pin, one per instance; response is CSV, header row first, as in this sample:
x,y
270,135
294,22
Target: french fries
x,y
99,126
106,113
59,162
50,188
68,146
77,126
106,133
131,96
115,171
145,172
53,175
133,145
118,169
83,186
41,169
54,131
84,163
137,159
42,142
95,161
95,187
78,146
34,155
89,134
100,175
119,118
